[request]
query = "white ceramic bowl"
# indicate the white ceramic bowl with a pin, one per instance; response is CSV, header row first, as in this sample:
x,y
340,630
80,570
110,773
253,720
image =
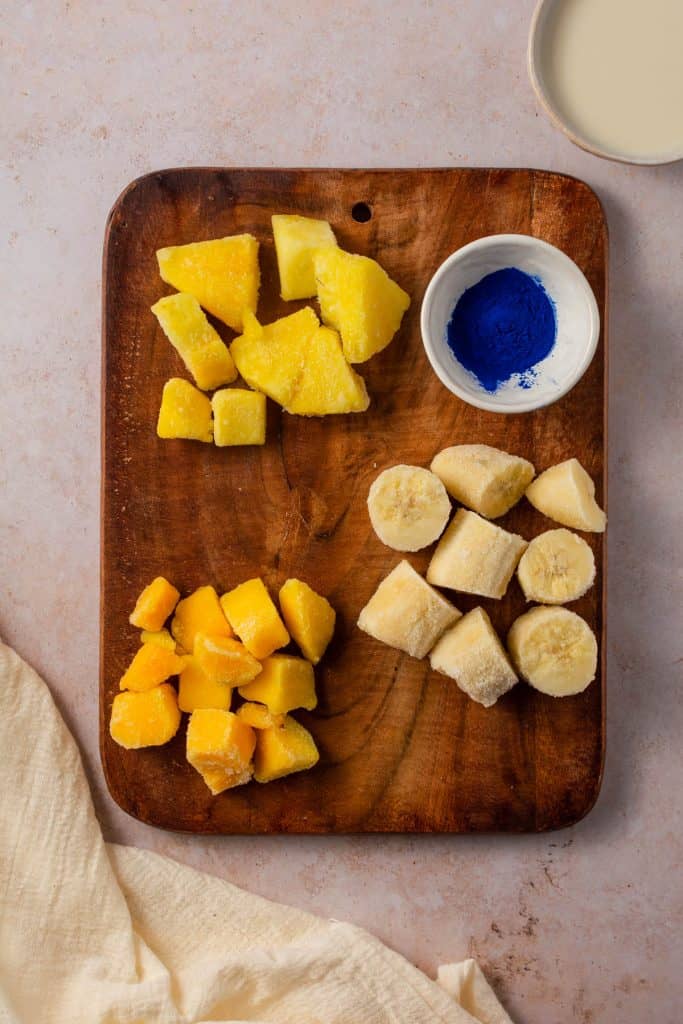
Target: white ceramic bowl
x,y
578,320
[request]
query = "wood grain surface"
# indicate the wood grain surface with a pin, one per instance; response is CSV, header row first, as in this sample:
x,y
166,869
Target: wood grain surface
x,y
402,748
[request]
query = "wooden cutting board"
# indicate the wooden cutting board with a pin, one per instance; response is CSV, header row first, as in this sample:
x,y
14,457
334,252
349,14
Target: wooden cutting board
x,y
402,748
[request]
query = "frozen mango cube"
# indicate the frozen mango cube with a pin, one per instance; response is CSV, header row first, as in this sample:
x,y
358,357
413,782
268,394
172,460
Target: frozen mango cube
x,y
283,684
327,384
220,745
309,618
282,750
150,666
258,716
239,417
254,618
222,274
359,299
225,660
185,412
146,719
154,605
160,637
205,354
271,357
199,613
296,239
197,690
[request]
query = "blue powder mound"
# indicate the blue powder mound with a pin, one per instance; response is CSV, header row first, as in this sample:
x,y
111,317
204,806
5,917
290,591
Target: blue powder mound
x,y
502,326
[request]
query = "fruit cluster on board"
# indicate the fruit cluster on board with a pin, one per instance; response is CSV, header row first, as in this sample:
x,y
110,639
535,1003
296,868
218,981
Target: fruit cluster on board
x,y
301,364
216,645
551,647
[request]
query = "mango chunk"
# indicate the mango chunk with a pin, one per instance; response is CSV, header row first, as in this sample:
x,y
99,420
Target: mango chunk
x,y
147,719
359,299
271,357
309,617
258,716
205,354
199,613
160,637
222,274
154,605
254,618
150,666
220,747
239,417
197,690
328,384
296,239
283,684
225,660
185,412
282,750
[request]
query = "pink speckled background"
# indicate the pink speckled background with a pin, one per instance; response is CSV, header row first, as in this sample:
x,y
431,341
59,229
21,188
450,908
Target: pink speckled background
x,y
582,925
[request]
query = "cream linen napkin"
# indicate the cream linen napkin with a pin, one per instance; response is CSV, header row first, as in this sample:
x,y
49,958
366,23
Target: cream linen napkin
x,y
97,934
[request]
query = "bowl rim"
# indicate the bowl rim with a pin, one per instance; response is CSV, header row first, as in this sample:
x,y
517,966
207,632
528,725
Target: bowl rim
x,y
543,98
492,403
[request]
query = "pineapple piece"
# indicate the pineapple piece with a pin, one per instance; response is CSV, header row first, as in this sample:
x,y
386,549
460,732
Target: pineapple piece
x,y
359,299
284,683
185,412
328,384
271,357
309,618
239,417
197,690
154,605
225,660
205,354
254,618
159,637
282,750
150,666
296,239
258,716
220,747
147,719
222,274
199,613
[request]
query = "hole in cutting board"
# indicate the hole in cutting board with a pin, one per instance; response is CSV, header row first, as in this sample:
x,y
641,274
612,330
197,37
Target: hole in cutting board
x,y
361,212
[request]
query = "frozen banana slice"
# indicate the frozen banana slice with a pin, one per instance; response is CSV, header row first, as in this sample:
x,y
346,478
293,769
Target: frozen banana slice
x,y
555,650
471,653
557,567
406,613
484,479
566,494
408,507
475,556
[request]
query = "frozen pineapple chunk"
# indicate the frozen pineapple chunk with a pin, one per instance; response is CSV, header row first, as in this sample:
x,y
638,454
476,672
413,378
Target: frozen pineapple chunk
x,y
406,613
199,613
282,750
359,299
197,690
145,719
296,239
205,354
154,605
327,384
239,417
283,684
150,666
220,746
309,618
471,653
258,716
222,274
254,618
225,660
159,637
185,412
271,357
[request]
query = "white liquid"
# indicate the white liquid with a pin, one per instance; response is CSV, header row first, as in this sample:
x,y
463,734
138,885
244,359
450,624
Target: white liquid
x,y
613,70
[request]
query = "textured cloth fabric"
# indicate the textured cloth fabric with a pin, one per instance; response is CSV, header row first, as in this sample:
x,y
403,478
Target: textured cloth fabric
x,y
92,933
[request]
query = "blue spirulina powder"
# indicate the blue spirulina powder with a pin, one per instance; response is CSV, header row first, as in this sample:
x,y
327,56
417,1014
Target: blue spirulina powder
x,y
502,326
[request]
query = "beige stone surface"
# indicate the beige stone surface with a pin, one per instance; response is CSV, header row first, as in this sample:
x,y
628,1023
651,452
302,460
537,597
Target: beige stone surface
x,y
583,925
